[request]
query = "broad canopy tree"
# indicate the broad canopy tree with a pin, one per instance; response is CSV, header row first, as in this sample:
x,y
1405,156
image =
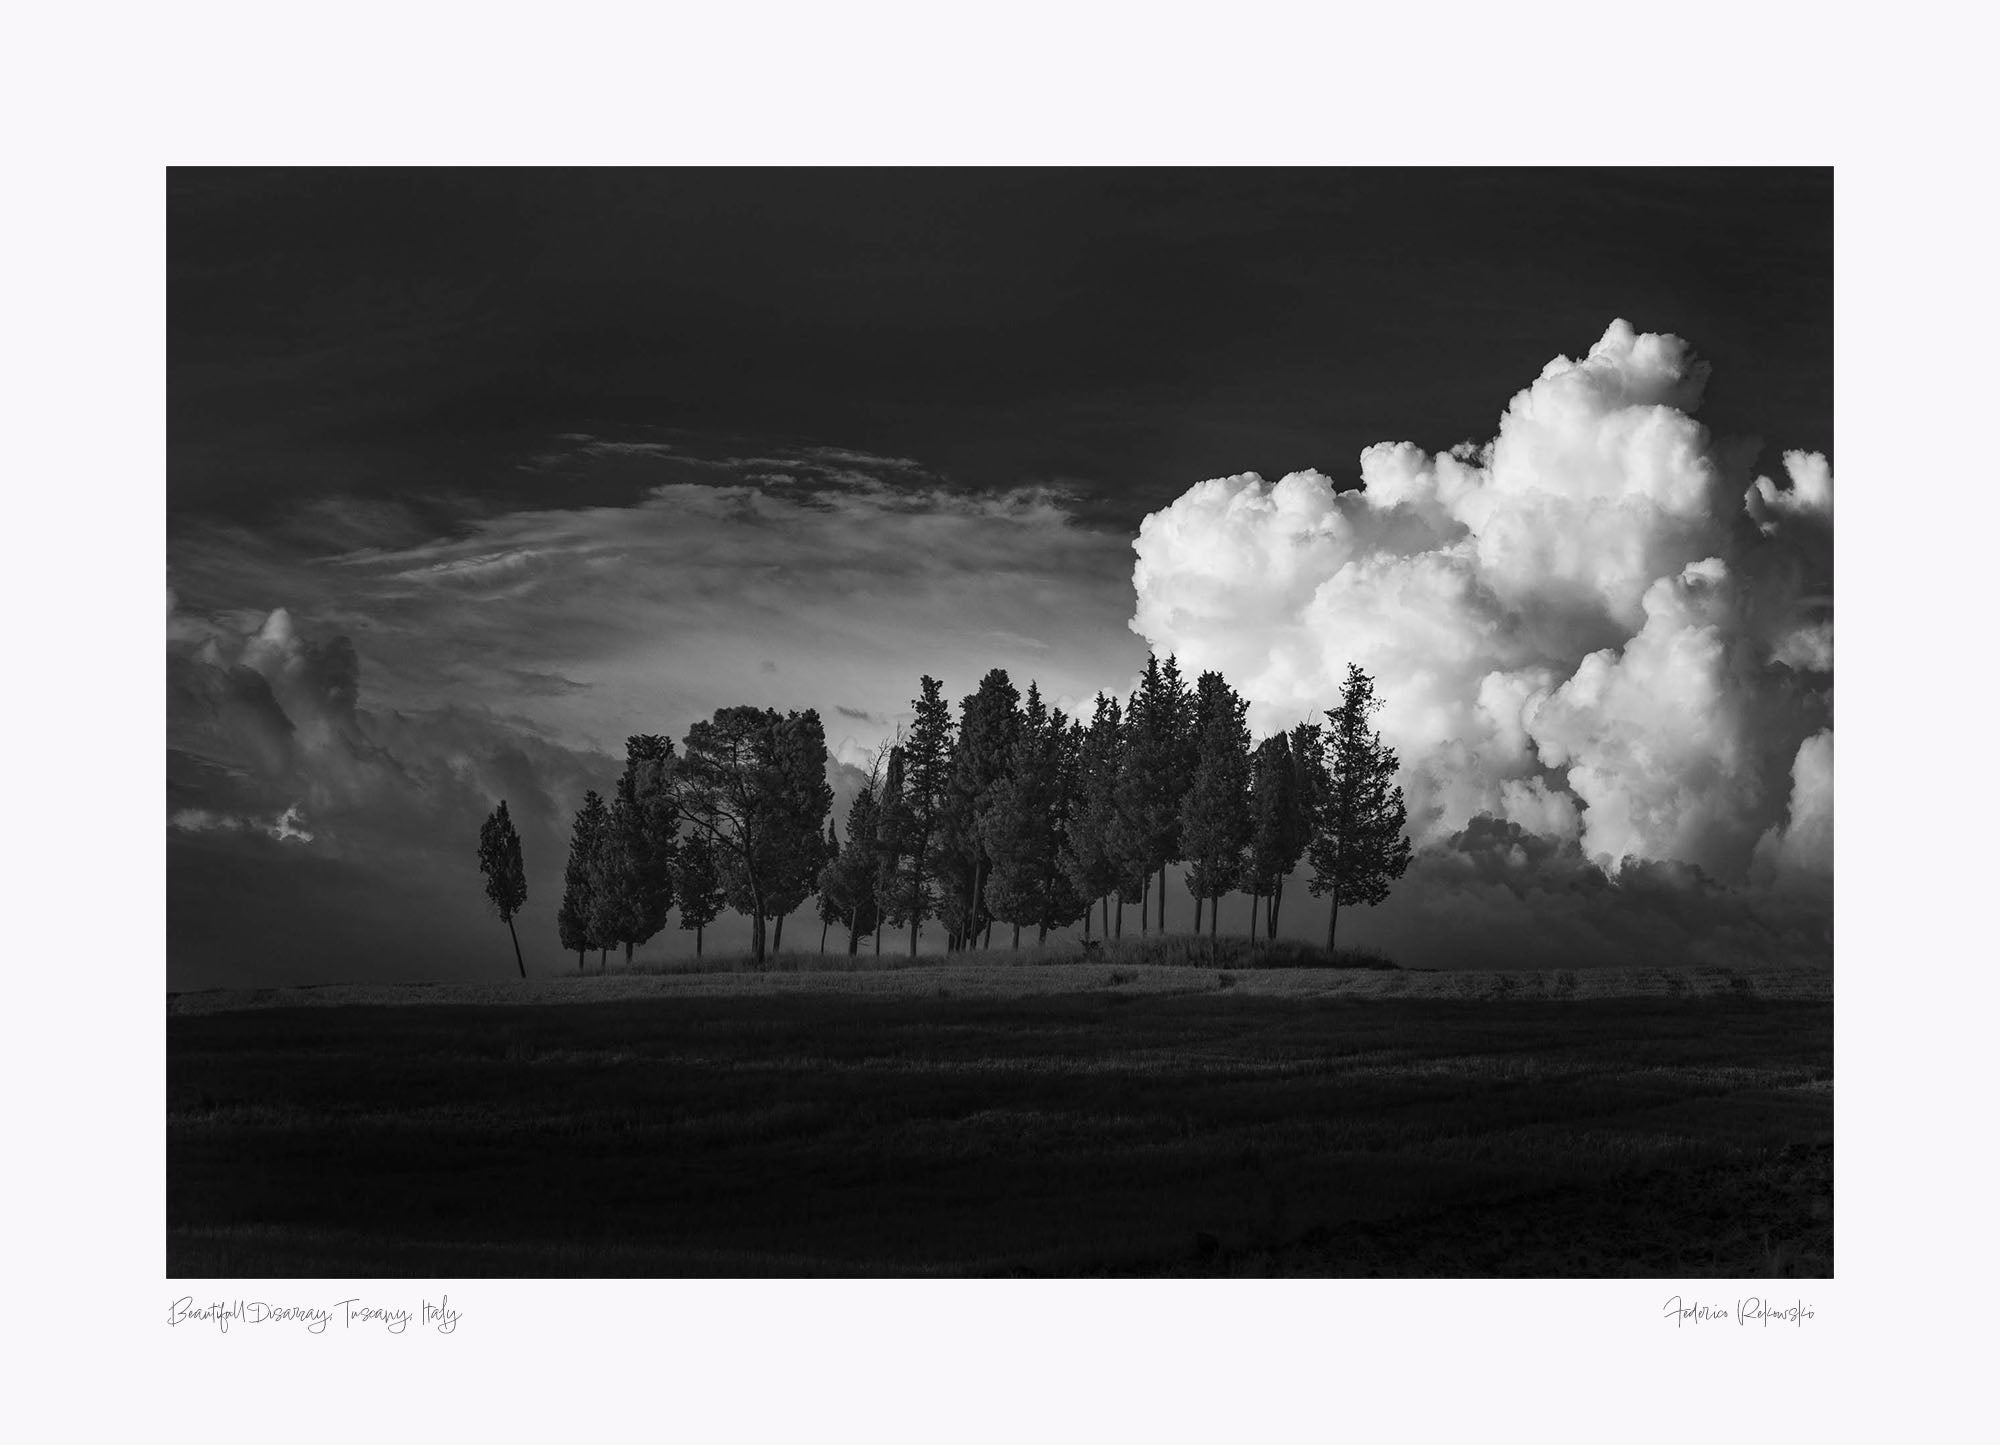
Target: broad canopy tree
x,y
753,782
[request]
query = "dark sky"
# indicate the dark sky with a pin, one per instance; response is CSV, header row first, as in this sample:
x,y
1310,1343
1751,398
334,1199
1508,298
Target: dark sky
x,y
471,474
1124,332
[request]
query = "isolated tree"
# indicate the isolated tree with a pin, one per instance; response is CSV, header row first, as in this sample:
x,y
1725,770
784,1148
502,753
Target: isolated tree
x,y
926,794
754,783
989,722
1215,810
506,879
697,884
575,915
1358,848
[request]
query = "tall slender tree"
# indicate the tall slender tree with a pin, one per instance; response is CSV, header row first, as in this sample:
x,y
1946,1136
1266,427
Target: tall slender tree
x,y
1155,770
926,795
1358,847
851,877
1307,745
639,866
506,878
892,827
575,915
1024,827
1089,858
989,722
1215,810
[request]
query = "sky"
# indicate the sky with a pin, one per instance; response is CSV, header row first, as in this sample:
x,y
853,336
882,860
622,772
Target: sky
x,y
471,475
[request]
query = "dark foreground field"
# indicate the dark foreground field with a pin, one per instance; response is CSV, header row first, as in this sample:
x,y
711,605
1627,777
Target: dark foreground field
x,y
1088,1132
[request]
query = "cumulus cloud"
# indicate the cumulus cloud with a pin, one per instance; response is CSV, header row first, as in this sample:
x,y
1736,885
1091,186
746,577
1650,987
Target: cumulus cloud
x,y
1595,627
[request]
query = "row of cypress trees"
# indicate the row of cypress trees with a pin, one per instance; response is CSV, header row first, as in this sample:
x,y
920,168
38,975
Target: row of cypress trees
x,y
1019,815
1011,813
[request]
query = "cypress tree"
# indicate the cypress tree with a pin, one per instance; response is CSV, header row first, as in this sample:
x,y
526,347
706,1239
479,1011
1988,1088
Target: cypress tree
x,y
574,915
1157,765
989,723
926,796
1357,848
1089,858
1215,811
506,878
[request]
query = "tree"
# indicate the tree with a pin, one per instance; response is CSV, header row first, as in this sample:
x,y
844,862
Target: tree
x,y
832,904
698,884
506,878
1088,853
1357,848
892,825
989,723
574,917
848,885
1156,767
754,783
1215,810
926,795
1280,817
1023,831
639,857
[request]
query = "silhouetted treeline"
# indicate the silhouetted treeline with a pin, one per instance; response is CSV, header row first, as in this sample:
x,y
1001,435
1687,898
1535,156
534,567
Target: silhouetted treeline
x,y
1011,813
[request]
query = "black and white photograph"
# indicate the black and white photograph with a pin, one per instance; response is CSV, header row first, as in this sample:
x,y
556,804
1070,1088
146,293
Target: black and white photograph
x,y
1076,722
1007,722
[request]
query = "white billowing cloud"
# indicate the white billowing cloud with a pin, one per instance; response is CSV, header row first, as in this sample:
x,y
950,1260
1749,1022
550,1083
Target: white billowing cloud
x,y
1583,628
1800,851
1810,496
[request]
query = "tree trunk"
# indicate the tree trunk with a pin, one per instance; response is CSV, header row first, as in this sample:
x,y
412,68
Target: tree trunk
x,y
1214,917
697,942
778,936
1255,899
517,948
1017,935
1146,906
824,924
989,935
1332,917
579,960
853,943
756,933
1106,901
600,958
1121,917
1086,923
1197,915
1042,938
978,898
1163,900
628,953
878,938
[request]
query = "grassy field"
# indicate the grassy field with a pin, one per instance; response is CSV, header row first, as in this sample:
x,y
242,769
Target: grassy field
x,y
1059,1118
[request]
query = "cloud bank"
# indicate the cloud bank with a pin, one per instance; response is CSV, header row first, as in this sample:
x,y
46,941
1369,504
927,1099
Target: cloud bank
x,y
1599,630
